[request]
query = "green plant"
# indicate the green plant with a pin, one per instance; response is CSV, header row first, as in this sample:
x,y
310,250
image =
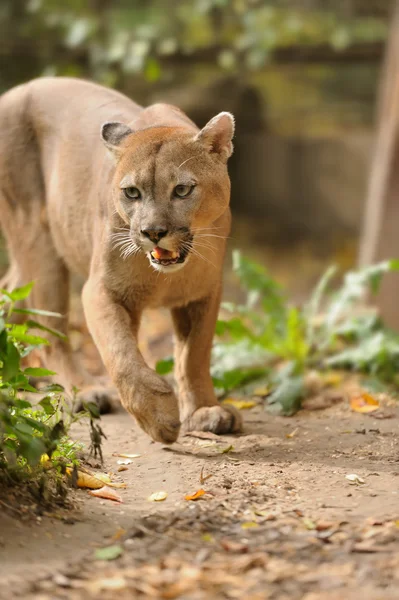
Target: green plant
x,y
268,338
30,431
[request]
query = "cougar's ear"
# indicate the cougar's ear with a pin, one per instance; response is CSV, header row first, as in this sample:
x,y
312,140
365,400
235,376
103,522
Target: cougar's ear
x,y
217,135
112,134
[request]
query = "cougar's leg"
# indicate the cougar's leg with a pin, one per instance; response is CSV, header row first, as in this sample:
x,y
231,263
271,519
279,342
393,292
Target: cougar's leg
x,y
199,409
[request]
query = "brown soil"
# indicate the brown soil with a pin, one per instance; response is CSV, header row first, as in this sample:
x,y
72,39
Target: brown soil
x,y
279,519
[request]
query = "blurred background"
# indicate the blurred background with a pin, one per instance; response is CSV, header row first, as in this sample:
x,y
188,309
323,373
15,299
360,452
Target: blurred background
x,y
300,76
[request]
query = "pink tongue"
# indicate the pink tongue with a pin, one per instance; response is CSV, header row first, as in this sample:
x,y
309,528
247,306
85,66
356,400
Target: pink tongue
x,y
162,253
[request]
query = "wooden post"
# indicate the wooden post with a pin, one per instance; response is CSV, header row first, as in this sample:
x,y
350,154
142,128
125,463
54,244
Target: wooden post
x,y
380,234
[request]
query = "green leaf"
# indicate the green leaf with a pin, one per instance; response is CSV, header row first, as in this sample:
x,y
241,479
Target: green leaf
x,y
19,293
38,372
314,305
36,425
254,277
22,403
32,448
21,382
35,325
47,405
230,380
36,311
52,387
163,367
92,409
287,397
109,552
10,361
18,332
235,327
3,342
152,70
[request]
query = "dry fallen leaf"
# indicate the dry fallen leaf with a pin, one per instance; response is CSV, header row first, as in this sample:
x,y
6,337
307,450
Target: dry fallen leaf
x,y
324,526
248,525
292,434
122,468
195,496
108,553
226,450
309,524
239,404
354,479
126,455
333,378
93,481
262,390
364,403
232,546
158,496
203,477
107,493
120,532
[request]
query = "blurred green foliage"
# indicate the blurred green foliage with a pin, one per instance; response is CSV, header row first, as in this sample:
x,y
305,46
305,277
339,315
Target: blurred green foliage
x,y
110,40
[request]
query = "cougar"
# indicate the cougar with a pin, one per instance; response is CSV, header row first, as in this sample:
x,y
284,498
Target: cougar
x,y
137,201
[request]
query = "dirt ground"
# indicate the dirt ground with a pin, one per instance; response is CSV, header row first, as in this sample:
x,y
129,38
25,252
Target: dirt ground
x,y
279,519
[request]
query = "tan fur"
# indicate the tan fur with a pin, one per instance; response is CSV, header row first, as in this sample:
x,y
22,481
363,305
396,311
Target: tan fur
x,y
61,210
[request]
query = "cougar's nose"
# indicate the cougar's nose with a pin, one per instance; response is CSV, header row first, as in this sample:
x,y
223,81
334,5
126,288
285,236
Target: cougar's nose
x,y
154,233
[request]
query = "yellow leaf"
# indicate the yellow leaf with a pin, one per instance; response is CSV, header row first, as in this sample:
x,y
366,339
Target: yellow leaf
x,y
292,434
239,404
262,390
107,493
127,455
118,534
158,497
333,378
364,403
248,525
206,537
309,524
94,481
195,496
44,458
227,449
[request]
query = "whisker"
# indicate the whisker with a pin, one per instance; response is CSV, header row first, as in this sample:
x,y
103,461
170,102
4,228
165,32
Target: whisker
x,y
222,237
204,228
198,254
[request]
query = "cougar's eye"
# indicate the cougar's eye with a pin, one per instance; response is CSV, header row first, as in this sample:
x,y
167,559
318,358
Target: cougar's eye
x,y
132,193
182,191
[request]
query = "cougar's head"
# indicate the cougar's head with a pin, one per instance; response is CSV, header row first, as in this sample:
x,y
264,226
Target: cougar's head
x,y
170,184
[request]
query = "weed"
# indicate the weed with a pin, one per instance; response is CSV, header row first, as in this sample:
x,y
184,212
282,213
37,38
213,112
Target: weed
x,y
267,338
33,435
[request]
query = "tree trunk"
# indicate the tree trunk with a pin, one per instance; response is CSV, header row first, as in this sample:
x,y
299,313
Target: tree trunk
x,y
380,235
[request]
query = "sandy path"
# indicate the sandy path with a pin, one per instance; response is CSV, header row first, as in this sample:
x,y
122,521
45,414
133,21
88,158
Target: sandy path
x,y
300,478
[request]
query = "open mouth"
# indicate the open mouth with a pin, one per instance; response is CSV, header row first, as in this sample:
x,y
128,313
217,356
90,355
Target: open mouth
x,y
161,256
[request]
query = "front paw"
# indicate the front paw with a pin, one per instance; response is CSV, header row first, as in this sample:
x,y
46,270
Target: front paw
x,y
156,410
218,419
